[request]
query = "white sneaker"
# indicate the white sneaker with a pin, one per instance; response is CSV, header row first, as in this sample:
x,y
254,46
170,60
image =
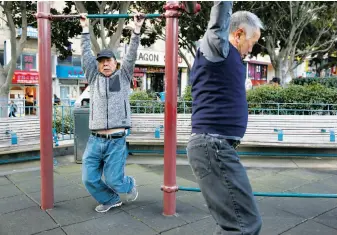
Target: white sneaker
x,y
104,208
133,194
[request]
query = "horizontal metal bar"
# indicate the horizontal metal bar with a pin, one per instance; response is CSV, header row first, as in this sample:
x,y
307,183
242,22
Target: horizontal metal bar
x,y
16,160
106,16
117,16
273,194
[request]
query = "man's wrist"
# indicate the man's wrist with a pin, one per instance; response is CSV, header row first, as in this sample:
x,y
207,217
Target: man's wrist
x,y
136,31
85,30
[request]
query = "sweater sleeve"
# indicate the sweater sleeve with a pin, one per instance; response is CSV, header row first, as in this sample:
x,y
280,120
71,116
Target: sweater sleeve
x,y
215,44
130,57
89,64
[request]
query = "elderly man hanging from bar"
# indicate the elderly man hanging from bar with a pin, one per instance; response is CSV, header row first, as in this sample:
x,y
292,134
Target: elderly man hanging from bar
x,y
109,120
219,119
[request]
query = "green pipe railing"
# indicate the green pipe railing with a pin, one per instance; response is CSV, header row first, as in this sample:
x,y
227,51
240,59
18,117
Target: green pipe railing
x,y
125,16
274,194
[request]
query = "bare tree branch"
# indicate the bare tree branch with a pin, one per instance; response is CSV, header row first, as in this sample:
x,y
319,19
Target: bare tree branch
x,y
80,7
188,45
9,68
113,5
182,55
101,21
115,39
291,12
23,38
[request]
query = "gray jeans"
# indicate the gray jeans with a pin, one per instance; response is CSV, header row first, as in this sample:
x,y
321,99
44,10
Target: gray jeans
x,y
224,184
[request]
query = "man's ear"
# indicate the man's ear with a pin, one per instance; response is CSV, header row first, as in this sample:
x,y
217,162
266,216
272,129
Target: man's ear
x,y
239,33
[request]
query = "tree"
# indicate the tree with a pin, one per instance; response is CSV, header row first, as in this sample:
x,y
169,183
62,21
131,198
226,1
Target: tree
x,y
14,12
324,60
293,31
191,27
20,15
105,33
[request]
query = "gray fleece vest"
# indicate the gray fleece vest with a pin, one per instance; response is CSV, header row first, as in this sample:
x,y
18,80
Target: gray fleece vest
x,y
109,96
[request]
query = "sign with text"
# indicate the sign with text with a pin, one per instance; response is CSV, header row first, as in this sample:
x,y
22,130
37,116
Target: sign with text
x,y
28,62
148,57
25,77
69,72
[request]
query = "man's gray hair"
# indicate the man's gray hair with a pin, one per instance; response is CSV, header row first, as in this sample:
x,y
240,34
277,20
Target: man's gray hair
x,y
247,20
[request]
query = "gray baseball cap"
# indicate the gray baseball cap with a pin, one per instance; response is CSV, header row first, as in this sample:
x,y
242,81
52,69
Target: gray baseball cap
x,y
106,53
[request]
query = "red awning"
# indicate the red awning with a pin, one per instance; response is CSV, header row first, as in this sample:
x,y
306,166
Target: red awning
x,y
25,77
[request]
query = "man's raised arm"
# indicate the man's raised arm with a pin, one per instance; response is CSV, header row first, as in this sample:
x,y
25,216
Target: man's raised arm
x,y
130,57
215,44
89,64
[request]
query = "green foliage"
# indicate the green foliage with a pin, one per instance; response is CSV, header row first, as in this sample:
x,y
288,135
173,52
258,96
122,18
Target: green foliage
x,y
185,104
63,119
139,95
264,94
144,102
315,93
187,93
294,97
330,82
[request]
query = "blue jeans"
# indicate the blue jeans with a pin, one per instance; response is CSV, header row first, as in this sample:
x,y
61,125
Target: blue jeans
x,y
108,157
224,184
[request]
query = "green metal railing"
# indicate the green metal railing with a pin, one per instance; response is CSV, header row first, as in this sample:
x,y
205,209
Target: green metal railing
x,y
292,109
149,106
63,120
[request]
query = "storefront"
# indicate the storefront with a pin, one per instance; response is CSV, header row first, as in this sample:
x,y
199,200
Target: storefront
x,y
24,92
70,83
257,72
149,73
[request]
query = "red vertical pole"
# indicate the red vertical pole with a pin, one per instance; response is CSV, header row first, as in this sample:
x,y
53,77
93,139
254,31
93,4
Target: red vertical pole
x,y
170,123
45,103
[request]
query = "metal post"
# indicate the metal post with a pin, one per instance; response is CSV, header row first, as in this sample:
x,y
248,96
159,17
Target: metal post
x,y
170,123
45,103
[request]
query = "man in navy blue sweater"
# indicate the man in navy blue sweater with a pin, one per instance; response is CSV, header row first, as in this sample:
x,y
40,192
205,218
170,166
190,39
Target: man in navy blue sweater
x,y
219,119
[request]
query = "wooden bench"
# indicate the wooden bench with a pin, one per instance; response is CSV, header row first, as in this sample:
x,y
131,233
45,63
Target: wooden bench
x,y
262,130
26,130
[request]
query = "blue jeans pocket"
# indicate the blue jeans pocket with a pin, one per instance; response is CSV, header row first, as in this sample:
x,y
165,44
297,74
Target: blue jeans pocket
x,y
119,142
198,157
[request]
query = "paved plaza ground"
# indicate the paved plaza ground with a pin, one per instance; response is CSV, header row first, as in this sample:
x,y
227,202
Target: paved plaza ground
x,y
74,213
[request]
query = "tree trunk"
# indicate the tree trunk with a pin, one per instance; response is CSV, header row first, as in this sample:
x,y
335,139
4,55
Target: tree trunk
x,y
182,55
4,93
282,71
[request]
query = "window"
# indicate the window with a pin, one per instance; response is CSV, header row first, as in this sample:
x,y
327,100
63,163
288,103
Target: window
x,y
66,61
77,60
70,61
257,71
